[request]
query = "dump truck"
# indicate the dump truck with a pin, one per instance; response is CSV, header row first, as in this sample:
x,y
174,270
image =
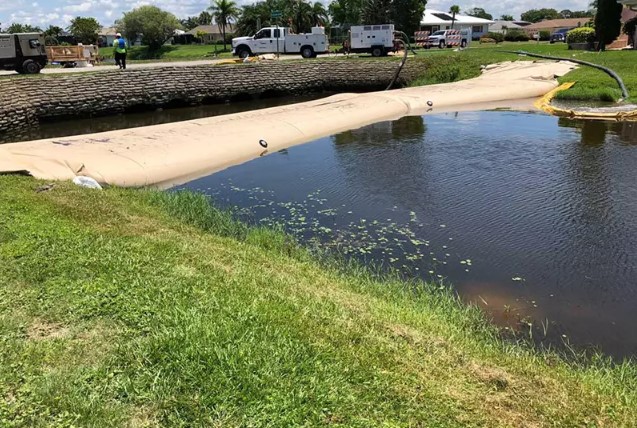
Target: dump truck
x,y
281,40
24,52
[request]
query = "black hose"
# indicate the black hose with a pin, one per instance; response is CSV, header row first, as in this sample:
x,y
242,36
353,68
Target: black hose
x,y
606,70
402,62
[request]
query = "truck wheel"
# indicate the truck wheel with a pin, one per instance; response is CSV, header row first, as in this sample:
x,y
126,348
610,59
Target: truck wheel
x,y
30,67
307,52
442,44
244,53
376,52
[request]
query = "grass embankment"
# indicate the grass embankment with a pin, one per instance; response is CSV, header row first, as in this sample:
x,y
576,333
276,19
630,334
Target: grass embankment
x,y
124,307
173,53
591,85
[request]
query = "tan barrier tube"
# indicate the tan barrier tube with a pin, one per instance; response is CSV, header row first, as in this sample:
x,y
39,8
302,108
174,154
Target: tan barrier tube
x,y
544,104
172,153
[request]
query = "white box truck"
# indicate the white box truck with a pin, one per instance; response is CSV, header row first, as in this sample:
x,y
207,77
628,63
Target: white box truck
x,y
375,39
281,40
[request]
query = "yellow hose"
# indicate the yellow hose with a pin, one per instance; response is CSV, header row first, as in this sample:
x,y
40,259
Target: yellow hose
x,y
544,104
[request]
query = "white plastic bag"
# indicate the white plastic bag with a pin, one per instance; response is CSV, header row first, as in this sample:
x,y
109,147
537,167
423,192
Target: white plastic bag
x,y
84,181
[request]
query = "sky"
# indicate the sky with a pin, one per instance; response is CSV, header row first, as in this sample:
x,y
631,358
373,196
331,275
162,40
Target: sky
x,y
59,12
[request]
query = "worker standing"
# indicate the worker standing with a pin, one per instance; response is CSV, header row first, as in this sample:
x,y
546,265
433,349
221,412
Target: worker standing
x,y
121,49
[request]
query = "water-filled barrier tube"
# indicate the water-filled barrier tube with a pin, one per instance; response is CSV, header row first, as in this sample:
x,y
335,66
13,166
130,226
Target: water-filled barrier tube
x,y
173,153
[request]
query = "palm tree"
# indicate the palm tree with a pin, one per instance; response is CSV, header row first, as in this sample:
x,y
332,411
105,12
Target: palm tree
x,y
224,12
319,14
453,10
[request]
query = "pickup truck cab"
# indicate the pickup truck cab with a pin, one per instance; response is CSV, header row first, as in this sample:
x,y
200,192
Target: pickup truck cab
x,y
449,38
281,40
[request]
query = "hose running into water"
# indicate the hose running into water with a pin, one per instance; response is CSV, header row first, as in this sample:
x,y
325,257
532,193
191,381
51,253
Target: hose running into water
x,y
402,62
606,70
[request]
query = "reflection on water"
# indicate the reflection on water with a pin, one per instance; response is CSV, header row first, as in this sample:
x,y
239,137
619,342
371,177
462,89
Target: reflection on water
x,y
594,132
532,217
64,128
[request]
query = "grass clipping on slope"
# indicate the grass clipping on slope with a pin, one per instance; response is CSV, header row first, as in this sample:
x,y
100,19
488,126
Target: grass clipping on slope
x,y
137,308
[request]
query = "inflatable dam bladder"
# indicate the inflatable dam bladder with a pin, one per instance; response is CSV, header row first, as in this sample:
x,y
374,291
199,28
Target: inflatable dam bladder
x,y
174,153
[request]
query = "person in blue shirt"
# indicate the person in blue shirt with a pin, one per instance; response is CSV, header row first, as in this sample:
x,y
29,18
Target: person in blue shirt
x,y
121,49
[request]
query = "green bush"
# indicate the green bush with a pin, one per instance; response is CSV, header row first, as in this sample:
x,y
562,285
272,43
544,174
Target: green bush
x,y
580,35
545,35
515,35
498,37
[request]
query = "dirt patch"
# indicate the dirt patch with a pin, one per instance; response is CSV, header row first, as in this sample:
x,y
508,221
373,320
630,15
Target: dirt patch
x,y
143,417
42,330
495,377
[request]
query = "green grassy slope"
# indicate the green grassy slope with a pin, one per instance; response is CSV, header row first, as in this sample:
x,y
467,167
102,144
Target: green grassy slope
x,y
135,308
441,66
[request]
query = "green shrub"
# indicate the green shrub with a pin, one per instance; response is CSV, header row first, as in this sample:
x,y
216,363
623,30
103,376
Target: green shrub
x,y
515,35
580,35
545,35
498,37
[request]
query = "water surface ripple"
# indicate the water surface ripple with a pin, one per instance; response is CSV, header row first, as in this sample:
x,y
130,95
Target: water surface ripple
x,y
532,217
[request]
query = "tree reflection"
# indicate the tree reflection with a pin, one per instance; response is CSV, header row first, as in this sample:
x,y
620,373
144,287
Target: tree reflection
x,y
407,129
387,160
594,132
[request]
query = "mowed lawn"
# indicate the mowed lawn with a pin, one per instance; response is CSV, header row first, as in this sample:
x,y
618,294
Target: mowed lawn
x,y
173,53
591,84
138,308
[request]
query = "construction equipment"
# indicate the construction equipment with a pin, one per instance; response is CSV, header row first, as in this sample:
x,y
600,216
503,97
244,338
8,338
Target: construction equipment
x,y
72,56
421,38
22,52
375,39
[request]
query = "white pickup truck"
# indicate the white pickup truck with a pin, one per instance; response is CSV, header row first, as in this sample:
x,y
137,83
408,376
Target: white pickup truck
x,y
281,40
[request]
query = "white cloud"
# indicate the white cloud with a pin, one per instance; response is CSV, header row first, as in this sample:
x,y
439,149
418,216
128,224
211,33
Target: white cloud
x,y
60,12
82,7
508,7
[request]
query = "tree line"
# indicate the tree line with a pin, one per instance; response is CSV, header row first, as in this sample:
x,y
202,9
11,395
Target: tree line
x,y
155,26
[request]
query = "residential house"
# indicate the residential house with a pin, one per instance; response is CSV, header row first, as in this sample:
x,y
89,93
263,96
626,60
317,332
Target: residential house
x,y
502,27
434,20
211,33
552,25
629,12
106,36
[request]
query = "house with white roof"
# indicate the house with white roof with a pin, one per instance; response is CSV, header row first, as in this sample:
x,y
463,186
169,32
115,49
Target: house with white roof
x,y
434,20
500,26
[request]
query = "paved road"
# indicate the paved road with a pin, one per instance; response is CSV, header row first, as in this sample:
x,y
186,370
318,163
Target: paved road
x,y
142,65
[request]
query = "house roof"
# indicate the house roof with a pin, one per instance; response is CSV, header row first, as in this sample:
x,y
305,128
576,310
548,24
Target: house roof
x,y
208,29
437,17
501,25
628,14
558,23
107,31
